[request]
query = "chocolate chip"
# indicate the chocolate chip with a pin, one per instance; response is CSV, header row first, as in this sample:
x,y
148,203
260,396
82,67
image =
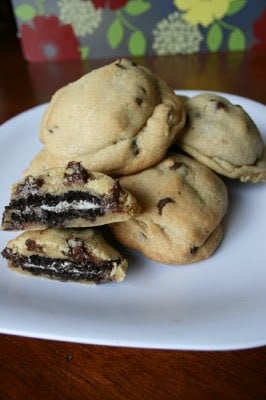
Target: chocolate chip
x,y
78,251
53,129
134,147
139,101
7,253
121,66
161,203
31,245
31,186
176,165
220,105
193,250
134,64
143,235
115,192
143,89
75,173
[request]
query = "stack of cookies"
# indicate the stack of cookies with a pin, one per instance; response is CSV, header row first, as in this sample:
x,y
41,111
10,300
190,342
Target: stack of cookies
x,y
120,149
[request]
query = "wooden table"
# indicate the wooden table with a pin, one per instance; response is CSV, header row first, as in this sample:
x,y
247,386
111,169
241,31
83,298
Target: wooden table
x,y
41,369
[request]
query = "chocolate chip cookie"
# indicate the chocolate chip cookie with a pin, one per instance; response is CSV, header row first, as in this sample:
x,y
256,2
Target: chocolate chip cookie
x,y
183,203
223,136
79,255
117,119
67,197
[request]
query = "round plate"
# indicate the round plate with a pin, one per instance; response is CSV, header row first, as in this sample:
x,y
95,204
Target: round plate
x,y
217,304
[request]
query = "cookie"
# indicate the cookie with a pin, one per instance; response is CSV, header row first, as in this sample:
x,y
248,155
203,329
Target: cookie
x,y
79,255
182,206
223,137
118,119
67,197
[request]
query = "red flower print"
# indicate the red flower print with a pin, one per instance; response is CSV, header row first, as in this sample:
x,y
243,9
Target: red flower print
x,y
259,30
47,40
112,4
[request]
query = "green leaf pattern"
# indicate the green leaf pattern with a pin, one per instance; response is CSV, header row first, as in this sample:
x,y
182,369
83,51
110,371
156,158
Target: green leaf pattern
x,y
235,6
84,51
25,12
137,44
137,7
174,33
214,37
115,33
237,40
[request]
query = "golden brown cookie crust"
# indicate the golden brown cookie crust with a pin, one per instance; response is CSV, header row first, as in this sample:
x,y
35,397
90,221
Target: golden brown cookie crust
x,y
223,137
183,203
117,119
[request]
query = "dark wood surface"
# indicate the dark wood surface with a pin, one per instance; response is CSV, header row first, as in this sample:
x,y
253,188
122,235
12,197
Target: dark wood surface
x,y
42,369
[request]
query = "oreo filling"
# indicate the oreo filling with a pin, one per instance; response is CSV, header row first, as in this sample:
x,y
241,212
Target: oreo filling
x,y
55,210
63,269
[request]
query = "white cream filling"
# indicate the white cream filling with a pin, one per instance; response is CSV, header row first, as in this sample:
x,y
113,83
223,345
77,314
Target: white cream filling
x,y
65,265
53,267
65,206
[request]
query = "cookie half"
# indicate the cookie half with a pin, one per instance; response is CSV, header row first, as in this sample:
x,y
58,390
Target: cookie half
x,y
80,255
222,136
118,119
183,204
67,197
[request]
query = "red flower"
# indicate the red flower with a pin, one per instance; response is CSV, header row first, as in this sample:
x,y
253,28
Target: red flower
x,y
112,4
47,40
259,30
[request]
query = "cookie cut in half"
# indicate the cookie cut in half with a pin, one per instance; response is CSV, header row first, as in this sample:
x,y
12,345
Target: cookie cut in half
x,y
224,137
80,255
67,197
117,119
182,206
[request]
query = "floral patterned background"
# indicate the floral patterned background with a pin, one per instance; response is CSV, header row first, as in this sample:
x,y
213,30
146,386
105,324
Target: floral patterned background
x,y
74,29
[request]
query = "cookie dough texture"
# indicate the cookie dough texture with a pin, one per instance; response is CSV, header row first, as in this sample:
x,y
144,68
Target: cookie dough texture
x,y
118,119
66,254
223,136
183,203
67,197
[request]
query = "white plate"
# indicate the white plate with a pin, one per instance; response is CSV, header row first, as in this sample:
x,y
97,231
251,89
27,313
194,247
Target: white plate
x,y
217,304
